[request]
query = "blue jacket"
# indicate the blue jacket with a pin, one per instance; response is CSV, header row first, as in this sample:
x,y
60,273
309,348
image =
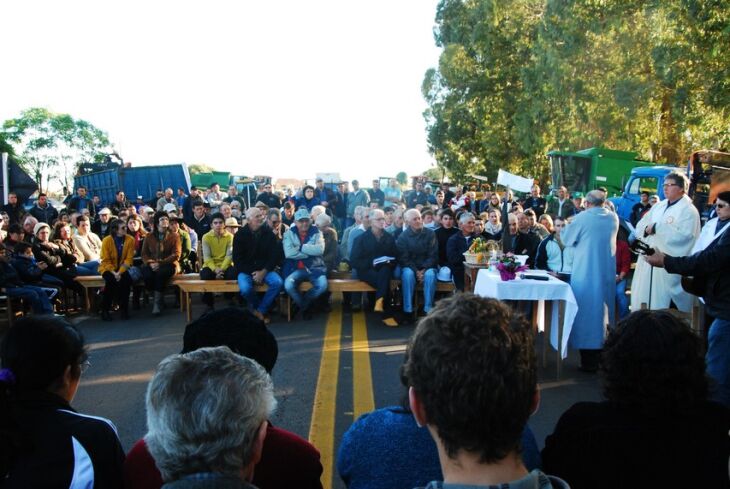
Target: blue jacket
x,y
310,253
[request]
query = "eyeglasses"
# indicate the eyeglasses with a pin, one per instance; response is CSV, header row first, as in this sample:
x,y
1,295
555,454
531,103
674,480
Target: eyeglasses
x,y
84,366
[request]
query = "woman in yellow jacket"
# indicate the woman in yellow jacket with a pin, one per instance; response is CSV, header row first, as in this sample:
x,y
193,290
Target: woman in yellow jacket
x,y
117,255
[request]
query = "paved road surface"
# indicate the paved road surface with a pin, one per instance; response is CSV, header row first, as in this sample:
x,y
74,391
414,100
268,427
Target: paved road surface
x,y
330,370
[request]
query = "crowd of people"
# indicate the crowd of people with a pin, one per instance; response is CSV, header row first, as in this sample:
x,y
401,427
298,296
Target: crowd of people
x,y
469,388
284,238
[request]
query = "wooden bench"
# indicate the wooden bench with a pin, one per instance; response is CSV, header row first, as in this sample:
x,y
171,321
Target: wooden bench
x,y
91,282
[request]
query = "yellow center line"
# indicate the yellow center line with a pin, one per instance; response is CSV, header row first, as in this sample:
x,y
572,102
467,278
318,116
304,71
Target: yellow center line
x,y
322,427
362,379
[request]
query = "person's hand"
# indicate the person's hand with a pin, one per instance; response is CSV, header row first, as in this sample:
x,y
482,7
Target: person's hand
x,y
42,265
655,260
117,276
618,278
258,276
419,275
154,266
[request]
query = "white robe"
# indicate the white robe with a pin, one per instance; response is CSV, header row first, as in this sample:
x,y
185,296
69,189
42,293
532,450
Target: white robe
x,y
677,229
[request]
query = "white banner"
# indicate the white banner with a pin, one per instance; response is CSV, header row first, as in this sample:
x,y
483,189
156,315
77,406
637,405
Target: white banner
x,y
515,182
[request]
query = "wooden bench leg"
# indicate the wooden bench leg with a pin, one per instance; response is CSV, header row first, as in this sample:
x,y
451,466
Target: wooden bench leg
x,y
87,299
188,306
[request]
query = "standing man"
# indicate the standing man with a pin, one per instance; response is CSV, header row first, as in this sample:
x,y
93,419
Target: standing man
x,y
376,195
269,198
535,201
43,211
640,209
217,256
325,195
187,206
14,209
303,250
416,197
165,200
356,198
79,203
592,235
120,202
418,257
448,194
562,206
392,192
710,267
215,197
339,207
234,197
256,253
672,226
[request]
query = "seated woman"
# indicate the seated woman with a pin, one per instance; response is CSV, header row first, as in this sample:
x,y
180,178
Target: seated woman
x,y
656,427
136,230
46,443
62,237
86,241
161,251
117,257
59,263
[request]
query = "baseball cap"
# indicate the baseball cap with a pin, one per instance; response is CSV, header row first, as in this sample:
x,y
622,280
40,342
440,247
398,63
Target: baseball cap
x,y
301,215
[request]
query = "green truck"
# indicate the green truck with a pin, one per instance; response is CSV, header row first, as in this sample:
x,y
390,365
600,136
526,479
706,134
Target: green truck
x,y
588,169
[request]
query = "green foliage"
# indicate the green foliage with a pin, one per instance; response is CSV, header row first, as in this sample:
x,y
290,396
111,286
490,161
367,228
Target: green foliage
x,y
53,145
402,178
200,168
517,78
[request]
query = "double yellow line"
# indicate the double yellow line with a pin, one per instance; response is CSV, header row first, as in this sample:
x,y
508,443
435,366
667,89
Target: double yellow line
x,y
322,427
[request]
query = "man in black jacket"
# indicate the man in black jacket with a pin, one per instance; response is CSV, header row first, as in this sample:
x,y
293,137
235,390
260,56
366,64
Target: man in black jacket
x,y
374,256
44,211
120,203
711,265
14,209
256,253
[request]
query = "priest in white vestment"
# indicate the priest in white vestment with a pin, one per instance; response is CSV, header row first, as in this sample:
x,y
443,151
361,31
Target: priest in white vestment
x,y
672,226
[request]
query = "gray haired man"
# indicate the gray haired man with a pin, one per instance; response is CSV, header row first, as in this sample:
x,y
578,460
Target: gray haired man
x,y
207,416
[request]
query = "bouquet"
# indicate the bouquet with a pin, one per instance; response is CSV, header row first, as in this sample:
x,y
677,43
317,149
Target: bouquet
x,y
508,267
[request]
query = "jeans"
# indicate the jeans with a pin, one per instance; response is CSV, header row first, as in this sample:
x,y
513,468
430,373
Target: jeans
x,y
248,291
622,300
88,268
408,283
291,284
718,360
37,297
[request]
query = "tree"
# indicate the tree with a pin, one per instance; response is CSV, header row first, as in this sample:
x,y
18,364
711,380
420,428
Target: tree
x,y
402,178
52,145
517,78
200,168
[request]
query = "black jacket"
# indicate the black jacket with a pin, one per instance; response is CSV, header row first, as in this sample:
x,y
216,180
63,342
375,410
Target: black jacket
x,y
418,251
47,214
457,245
9,276
15,212
523,244
270,199
442,237
366,248
256,251
28,269
200,227
57,442
712,265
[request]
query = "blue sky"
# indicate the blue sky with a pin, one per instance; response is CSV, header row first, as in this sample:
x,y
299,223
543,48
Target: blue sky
x,y
285,88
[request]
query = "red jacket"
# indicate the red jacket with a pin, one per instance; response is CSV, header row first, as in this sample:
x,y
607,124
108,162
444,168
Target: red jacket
x,y
286,461
623,258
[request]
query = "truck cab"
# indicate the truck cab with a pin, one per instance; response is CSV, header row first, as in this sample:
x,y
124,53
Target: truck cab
x,y
643,179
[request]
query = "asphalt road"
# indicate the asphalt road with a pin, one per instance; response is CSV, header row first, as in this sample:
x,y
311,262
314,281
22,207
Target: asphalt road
x,y
320,390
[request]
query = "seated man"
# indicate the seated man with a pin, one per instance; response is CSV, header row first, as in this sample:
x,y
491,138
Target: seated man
x,y
374,256
418,259
217,256
303,251
520,240
207,415
256,253
471,371
457,245
245,335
